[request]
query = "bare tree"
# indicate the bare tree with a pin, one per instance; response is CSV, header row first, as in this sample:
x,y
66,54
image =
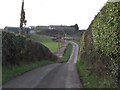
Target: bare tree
x,y
22,19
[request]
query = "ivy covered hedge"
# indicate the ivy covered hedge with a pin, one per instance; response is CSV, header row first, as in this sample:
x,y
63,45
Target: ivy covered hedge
x,y
100,44
105,31
106,34
17,49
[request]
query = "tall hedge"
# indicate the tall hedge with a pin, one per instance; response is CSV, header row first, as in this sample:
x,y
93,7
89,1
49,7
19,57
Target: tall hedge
x,y
101,42
105,31
17,49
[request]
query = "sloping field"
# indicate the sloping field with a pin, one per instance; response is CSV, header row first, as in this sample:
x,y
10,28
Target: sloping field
x,y
47,41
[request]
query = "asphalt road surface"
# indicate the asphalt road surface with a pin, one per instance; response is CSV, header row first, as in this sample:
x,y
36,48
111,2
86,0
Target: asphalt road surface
x,y
60,75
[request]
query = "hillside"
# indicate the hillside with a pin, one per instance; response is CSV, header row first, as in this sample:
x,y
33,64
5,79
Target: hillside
x,y
55,31
47,41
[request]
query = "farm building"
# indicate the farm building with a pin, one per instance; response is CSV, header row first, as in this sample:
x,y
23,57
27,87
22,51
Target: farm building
x,y
16,30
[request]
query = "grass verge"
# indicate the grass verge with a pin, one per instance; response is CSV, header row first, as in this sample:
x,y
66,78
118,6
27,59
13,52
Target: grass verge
x,y
13,71
90,80
67,53
47,41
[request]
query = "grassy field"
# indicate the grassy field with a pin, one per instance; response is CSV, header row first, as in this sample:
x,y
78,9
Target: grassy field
x,y
67,53
47,41
12,71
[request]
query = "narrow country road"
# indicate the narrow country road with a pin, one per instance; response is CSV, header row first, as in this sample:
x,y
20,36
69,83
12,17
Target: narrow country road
x,y
60,75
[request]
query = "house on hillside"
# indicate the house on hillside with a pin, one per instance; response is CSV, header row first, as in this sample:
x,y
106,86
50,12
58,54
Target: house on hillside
x,y
16,30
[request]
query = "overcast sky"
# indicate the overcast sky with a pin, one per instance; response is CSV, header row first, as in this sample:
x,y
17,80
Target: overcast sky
x,y
50,12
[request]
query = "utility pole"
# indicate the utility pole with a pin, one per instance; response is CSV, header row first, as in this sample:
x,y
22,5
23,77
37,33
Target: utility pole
x,y
65,39
58,42
22,19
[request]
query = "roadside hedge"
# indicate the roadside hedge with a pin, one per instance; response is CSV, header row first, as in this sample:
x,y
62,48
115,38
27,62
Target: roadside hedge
x,y
100,45
106,34
105,31
18,49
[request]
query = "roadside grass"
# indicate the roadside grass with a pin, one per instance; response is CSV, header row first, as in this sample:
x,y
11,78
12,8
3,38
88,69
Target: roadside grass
x,y
67,53
90,80
47,41
0,75
87,80
13,71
